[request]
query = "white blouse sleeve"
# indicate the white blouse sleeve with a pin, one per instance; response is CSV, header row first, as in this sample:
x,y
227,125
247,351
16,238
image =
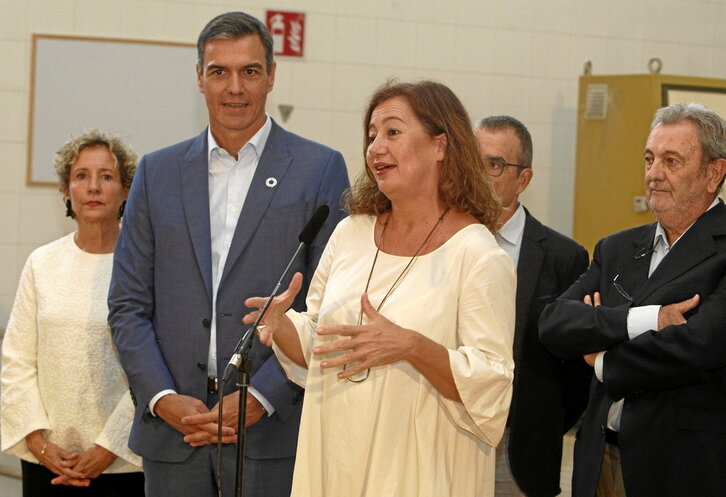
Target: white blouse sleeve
x,y
115,433
21,407
482,364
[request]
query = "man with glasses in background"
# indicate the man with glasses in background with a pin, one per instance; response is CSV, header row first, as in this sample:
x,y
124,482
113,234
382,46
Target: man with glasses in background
x,y
549,393
650,315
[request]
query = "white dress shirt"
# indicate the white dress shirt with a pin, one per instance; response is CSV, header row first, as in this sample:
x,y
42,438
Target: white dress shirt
x,y
509,236
229,183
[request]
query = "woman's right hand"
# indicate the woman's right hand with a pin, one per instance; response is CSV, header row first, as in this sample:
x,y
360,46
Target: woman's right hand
x,y
56,459
274,319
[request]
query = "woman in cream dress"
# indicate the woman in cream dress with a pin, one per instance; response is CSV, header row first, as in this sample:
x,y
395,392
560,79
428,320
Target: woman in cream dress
x,y
405,350
66,408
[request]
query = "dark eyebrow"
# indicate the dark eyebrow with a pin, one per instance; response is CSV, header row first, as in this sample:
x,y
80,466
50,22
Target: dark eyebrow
x,y
214,67
385,120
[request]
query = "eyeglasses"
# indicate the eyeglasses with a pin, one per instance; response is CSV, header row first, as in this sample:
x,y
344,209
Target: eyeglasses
x,y
495,165
620,289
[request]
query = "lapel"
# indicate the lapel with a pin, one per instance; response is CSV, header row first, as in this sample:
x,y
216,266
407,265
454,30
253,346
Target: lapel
x,y
695,246
633,273
194,171
274,163
529,267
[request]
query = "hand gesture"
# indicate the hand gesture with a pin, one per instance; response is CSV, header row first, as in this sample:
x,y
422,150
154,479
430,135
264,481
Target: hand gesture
x,y
377,343
274,318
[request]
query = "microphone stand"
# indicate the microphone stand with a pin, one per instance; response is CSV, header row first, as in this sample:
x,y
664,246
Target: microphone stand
x,y
240,360
243,383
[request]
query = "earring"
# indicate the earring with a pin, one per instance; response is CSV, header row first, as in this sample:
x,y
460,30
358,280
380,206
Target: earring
x,y
121,209
69,209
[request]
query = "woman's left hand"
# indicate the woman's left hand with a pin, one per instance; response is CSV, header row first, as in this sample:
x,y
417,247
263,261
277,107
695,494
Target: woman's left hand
x,y
377,343
91,463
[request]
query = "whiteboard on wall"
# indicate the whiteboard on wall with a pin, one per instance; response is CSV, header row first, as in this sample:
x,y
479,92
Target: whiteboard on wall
x,y
145,92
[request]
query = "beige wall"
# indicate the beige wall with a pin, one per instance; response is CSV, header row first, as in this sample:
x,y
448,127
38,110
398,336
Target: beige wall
x,y
521,57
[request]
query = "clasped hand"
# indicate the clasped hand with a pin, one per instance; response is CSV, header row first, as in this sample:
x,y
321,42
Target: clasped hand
x,y
75,469
190,417
202,428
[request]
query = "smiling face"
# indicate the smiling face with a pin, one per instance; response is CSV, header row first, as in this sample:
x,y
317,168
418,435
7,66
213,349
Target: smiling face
x,y
235,82
94,186
678,184
403,157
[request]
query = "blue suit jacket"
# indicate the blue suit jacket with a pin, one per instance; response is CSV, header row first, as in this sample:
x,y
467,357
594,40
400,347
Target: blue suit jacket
x,y
673,381
160,299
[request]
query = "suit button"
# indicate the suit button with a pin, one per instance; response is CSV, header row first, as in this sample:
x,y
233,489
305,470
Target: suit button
x,y
205,322
202,366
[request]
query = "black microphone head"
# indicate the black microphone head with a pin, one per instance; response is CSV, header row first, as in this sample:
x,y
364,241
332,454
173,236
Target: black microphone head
x,y
310,231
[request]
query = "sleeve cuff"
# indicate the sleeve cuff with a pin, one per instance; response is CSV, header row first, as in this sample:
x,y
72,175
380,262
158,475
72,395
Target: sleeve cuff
x,y
642,319
599,358
261,398
155,399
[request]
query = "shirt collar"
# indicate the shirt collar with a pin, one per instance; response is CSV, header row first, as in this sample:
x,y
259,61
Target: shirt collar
x,y
512,230
257,142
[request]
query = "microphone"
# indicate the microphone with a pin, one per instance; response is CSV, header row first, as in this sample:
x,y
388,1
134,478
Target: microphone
x,y
310,231
307,235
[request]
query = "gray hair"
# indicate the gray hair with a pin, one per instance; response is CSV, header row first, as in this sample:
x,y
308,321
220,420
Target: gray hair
x,y
494,123
711,127
232,26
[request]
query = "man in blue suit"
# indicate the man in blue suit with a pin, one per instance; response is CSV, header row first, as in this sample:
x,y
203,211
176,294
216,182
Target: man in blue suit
x,y
209,222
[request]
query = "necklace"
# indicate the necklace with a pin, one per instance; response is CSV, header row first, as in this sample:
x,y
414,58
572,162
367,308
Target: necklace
x,y
398,280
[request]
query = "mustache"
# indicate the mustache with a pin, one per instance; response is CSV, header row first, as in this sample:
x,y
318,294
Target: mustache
x,y
660,186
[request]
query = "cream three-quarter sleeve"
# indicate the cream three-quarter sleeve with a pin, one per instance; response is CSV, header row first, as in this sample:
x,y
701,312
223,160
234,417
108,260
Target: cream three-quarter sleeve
x,y
482,364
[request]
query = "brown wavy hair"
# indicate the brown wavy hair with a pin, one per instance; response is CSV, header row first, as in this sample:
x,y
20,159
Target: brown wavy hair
x,y
464,185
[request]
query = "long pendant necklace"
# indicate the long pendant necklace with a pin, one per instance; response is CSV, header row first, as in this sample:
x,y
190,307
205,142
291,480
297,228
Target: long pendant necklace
x,y
398,280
